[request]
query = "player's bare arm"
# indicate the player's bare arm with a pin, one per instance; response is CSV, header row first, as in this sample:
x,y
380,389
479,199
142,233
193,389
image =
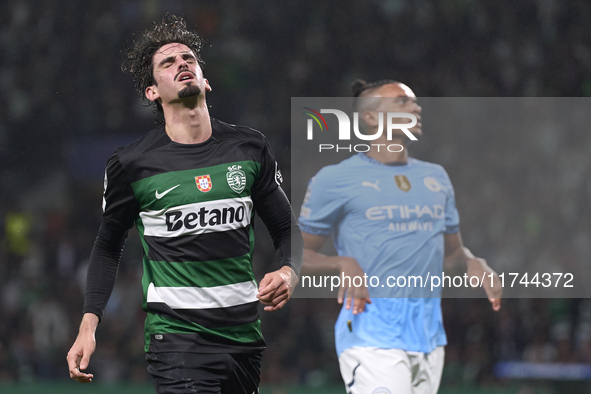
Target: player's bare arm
x,y
456,255
79,355
315,262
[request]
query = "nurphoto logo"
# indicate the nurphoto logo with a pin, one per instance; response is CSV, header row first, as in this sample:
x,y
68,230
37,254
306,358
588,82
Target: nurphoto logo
x,y
344,130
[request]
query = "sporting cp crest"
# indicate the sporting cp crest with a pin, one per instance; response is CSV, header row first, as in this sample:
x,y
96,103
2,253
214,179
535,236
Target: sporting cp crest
x,y
236,178
203,183
402,182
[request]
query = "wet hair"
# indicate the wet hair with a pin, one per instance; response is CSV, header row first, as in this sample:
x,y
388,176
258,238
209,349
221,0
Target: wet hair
x,y
139,56
359,87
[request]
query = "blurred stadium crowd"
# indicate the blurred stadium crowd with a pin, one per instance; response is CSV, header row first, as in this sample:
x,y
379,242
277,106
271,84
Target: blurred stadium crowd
x,y
66,106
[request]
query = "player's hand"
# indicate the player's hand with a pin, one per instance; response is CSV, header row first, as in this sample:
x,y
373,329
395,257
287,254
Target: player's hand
x,y
276,288
358,296
494,291
79,355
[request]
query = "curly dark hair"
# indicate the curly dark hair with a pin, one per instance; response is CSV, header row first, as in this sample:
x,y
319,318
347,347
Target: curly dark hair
x,y
139,56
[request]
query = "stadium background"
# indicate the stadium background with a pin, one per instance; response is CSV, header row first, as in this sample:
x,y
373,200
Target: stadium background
x,y
66,106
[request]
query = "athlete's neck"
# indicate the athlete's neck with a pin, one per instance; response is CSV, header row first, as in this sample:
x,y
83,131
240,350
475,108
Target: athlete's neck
x,y
187,125
388,151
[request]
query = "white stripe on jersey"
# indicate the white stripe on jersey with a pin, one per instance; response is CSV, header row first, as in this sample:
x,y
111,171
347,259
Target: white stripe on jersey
x,y
204,297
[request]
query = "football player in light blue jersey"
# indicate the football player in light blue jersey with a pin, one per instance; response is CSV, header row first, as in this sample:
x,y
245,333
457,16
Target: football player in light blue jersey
x,y
394,218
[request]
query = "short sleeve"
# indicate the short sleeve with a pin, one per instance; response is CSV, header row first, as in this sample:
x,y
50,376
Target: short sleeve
x,y
322,205
270,175
452,217
119,203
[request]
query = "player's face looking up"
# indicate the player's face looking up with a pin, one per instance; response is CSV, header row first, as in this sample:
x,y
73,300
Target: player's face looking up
x,y
177,75
393,97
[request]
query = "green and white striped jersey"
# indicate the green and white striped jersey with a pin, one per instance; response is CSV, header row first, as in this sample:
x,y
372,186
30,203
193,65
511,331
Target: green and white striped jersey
x,y
193,206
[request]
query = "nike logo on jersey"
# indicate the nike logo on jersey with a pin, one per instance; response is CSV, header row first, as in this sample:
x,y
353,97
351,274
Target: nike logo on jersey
x,y
369,184
164,193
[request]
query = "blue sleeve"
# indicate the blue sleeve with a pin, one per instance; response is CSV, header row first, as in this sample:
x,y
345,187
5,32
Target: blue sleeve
x,y
452,217
322,205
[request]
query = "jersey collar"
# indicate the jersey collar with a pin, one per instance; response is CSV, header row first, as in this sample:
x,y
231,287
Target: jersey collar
x,y
371,160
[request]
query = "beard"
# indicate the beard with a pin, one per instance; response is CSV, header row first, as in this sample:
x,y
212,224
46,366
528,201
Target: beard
x,y
189,91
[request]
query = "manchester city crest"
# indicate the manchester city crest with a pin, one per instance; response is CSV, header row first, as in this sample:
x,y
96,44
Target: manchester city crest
x,y
236,178
432,184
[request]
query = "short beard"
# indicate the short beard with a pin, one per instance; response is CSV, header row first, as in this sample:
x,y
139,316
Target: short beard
x,y
189,91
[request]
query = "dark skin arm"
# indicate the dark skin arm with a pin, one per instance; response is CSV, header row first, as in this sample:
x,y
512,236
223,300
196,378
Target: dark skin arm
x,y
315,262
456,255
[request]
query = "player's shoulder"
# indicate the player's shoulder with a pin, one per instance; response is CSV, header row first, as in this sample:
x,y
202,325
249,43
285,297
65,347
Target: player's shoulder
x,y
237,132
337,170
338,176
426,166
154,139
431,173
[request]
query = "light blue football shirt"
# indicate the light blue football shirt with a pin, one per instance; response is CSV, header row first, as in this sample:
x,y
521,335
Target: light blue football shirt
x,y
391,219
